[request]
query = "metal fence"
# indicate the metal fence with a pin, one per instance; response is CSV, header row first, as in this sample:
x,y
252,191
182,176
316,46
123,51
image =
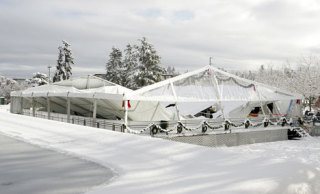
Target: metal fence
x,y
192,132
193,126
113,125
196,126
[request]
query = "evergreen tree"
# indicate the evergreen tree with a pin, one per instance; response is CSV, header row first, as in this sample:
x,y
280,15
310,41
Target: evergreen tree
x,y
64,62
171,72
59,67
137,68
130,64
149,71
114,67
68,60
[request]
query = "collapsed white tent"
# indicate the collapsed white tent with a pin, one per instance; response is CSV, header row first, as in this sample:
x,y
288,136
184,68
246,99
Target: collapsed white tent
x,y
83,96
75,95
181,97
195,91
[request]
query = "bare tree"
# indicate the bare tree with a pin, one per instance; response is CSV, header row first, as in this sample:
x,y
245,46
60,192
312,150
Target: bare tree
x,y
305,79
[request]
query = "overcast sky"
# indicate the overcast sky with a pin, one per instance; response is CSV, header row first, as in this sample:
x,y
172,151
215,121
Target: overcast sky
x,y
237,34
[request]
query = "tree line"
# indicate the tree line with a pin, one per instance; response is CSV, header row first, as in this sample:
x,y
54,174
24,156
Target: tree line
x,y
136,66
139,65
301,77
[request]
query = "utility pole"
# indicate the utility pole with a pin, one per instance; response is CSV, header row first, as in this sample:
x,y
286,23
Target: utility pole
x,y
49,67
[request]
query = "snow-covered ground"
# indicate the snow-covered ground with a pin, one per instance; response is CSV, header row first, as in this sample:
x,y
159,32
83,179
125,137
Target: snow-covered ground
x,y
29,169
151,165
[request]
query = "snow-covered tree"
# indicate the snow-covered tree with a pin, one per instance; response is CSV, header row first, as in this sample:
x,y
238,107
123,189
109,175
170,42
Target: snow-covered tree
x,y
304,79
140,65
149,69
65,59
171,72
38,79
59,68
130,64
7,85
115,67
268,75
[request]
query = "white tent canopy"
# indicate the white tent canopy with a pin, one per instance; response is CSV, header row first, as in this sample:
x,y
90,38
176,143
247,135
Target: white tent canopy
x,y
83,87
209,84
173,99
195,91
83,92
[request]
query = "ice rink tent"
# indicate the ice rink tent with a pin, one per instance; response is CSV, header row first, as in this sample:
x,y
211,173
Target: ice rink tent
x,y
203,92
87,96
80,94
209,88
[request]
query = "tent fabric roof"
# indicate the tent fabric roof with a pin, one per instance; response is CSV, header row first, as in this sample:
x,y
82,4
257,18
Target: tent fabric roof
x,y
85,87
209,84
206,84
190,92
45,90
85,82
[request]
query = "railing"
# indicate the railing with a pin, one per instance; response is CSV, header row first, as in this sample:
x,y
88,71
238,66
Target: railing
x,y
190,126
78,120
208,126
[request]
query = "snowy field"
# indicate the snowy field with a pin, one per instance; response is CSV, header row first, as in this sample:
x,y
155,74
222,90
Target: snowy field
x,y
151,165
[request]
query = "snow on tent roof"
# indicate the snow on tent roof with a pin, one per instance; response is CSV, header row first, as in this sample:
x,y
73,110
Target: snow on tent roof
x,y
205,87
45,90
86,82
209,84
82,91
85,87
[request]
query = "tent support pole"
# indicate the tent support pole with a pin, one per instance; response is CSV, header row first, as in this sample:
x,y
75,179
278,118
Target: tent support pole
x,y
277,107
155,110
177,110
48,107
33,107
68,109
219,95
261,105
11,104
94,114
175,96
126,115
21,105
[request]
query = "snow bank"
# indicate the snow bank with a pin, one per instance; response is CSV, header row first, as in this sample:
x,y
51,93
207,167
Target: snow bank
x,y
151,165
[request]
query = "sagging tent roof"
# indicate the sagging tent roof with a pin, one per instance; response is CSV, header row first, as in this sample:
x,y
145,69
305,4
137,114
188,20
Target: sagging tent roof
x,y
209,84
191,92
195,91
84,89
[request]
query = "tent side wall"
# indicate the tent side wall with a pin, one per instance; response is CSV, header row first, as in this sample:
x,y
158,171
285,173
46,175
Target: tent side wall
x,y
181,97
199,90
16,105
